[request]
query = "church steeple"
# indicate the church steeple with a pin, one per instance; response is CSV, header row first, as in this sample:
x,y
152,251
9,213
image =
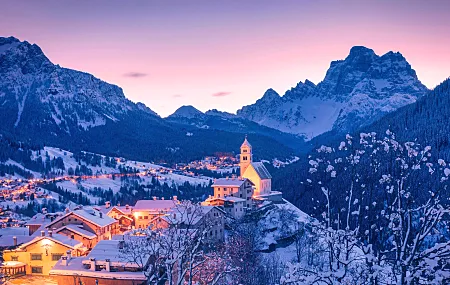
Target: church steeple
x,y
246,157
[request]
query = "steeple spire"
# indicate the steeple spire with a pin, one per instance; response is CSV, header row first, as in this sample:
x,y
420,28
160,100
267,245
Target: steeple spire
x,y
246,157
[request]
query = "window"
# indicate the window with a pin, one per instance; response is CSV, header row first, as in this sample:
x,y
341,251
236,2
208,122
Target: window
x,y
145,217
244,150
72,236
244,158
36,256
56,256
36,269
14,258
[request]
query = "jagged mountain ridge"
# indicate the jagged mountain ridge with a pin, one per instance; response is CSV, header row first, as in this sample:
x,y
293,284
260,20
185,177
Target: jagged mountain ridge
x,y
355,92
66,98
44,104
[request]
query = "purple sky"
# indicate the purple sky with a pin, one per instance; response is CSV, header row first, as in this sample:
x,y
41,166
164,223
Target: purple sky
x,y
225,54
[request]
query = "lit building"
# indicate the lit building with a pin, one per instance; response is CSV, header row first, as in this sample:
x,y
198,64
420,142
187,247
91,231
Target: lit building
x,y
82,223
103,265
123,214
197,218
255,171
233,206
41,253
146,210
234,187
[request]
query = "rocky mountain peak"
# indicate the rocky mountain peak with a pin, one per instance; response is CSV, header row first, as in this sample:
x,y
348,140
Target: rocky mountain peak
x,y
354,92
186,111
270,95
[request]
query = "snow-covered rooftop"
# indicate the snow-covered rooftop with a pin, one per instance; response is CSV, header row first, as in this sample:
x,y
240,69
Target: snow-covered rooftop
x,y
61,239
228,182
75,267
90,214
262,171
8,240
14,231
154,205
77,229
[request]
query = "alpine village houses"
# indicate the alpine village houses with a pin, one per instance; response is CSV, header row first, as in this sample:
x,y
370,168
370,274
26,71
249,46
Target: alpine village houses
x,y
83,243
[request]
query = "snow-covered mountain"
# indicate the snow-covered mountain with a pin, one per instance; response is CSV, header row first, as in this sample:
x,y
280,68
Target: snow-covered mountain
x,y
355,92
42,103
35,91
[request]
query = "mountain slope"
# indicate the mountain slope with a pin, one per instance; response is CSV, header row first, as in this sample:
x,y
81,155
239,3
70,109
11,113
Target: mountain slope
x,y
355,92
45,104
222,121
424,122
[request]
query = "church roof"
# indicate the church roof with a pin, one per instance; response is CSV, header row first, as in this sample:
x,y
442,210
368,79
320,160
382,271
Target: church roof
x,y
261,170
246,143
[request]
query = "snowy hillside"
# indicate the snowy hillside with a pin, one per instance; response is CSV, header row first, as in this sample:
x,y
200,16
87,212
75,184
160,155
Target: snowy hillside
x,y
355,92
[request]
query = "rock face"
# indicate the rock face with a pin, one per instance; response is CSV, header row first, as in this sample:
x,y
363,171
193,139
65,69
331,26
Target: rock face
x,y
34,91
355,92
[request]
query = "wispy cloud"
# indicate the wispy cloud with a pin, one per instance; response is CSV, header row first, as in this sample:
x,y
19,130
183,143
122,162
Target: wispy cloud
x,y
221,94
135,74
177,96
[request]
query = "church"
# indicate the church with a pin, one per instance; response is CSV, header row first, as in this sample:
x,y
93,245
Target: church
x,y
256,172
238,195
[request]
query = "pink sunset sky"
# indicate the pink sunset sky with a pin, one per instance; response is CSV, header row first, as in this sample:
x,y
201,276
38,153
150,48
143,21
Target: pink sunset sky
x,y
225,54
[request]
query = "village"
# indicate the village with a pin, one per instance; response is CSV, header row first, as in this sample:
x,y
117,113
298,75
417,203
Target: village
x,y
91,244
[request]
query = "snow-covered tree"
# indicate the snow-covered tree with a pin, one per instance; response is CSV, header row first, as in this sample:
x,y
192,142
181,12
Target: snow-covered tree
x,y
384,219
179,252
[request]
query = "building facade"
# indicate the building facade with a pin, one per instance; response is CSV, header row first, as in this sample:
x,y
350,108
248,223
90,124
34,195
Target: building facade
x,y
41,253
254,171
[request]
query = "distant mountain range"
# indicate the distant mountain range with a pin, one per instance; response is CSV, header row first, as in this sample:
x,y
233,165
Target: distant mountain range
x,y
355,92
44,104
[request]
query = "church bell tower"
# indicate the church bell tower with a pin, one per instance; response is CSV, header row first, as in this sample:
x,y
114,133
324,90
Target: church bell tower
x,y
246,156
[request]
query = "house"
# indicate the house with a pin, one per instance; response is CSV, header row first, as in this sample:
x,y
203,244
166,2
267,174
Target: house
x,y
41,253
233,206
123,214
80,224
195,217
255,171
146,210
103,265
234,187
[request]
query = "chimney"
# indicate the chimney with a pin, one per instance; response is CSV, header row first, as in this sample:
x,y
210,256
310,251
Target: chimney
x,y
175,198
121,244
107,204
15,240
127,206
66,259
42,233
50,233
154,198
108,265
67,210
93,263
162,198
101,215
